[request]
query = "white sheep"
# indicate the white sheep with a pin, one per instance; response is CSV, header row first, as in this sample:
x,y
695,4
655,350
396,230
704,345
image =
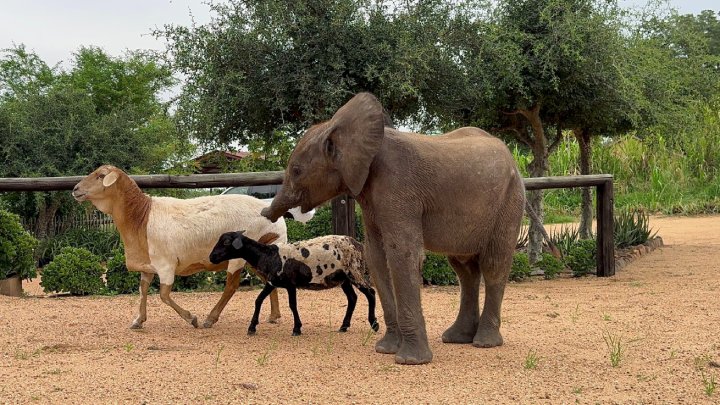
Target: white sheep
x,y
315,264
169,236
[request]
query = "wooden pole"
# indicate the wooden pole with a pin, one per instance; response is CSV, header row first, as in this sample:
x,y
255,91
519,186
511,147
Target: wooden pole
x,y
605,230
343,216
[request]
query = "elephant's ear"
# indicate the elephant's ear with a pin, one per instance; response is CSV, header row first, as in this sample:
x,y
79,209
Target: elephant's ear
x,y
355,134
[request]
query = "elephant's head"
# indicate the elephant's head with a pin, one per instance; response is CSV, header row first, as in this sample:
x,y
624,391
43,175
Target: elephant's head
x,y
332,158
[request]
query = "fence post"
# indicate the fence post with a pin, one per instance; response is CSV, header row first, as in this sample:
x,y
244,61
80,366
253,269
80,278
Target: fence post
x,y
343,216
605,230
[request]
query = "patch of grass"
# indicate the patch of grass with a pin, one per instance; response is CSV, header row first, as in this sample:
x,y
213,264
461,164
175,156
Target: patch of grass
x,y
265,356
367,336
615,348
531,360
217,356
709,384
576,314
606,318
128,347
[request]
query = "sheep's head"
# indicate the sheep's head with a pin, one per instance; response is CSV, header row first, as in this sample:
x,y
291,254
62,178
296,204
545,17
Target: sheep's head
x,y
227,247
98,187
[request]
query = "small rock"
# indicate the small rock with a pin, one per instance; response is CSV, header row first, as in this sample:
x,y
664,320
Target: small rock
x,y
249,386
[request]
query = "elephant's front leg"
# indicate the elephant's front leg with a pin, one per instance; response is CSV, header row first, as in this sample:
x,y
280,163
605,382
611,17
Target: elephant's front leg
x,y
377,264
404,259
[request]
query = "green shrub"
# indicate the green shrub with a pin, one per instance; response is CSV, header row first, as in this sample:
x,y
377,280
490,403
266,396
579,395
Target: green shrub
x,y
118,279
581,258
632,227
321,225
16,248
437,271
564,238
74,270
197,281
520,267
550,265
98,241
296,231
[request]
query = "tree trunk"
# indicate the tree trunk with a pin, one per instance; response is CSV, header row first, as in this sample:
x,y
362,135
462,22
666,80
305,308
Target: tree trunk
x,y
45,216
583,137
11,286
538,168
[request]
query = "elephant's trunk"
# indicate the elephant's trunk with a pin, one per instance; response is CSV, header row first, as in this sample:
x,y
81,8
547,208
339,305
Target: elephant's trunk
x,y
279,206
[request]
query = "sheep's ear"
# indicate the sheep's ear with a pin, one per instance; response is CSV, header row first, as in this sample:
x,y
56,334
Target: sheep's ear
x,y
110,179
237,243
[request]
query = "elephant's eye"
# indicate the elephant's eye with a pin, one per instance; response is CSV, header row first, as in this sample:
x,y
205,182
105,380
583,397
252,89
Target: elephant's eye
x,y
296,171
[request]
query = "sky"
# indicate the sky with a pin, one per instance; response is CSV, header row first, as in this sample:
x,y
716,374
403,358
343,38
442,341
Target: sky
x,y
54,29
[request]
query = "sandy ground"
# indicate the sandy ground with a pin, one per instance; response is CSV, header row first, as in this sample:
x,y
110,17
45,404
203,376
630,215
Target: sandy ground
x,y
664,307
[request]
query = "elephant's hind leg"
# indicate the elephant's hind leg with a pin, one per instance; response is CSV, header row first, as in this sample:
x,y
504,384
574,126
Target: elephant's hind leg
x,y
495,271
466,325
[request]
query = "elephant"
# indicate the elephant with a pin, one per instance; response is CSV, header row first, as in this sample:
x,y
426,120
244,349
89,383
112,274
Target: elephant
x,y
459,194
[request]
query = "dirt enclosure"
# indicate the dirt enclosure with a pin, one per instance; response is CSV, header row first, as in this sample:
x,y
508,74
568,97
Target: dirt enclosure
x,y
663,307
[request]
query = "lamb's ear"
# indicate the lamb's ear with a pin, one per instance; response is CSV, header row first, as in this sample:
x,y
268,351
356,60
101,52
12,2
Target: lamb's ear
x,y
268,238
237,243
110,179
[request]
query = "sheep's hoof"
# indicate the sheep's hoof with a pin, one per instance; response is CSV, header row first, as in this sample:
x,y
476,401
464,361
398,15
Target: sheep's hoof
x,y
343,329
375,326
194,322
251,332
296,333
136,326
208,324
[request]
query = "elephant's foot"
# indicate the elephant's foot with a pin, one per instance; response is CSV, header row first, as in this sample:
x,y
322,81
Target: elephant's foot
x,y
414,354
460,333
487,337
388,344
209,322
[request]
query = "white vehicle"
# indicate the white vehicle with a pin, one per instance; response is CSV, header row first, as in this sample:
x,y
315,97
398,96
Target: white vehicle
x,y
267,193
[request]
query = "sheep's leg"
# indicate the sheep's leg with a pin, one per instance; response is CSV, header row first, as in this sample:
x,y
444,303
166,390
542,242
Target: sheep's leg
x,y
352,300
370,294
145,281
232,282
258,304
274,307
292,299
184,314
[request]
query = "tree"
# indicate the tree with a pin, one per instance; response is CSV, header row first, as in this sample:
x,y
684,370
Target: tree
x,y
103,110
533,68
266,66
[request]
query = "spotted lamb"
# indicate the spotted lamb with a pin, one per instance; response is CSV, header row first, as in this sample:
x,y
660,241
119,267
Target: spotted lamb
x,y
315,264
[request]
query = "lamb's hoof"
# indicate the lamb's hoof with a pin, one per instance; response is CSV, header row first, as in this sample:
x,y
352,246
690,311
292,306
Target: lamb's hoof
x,y
194,322
251,332
375,325
343,329
136,326
296,333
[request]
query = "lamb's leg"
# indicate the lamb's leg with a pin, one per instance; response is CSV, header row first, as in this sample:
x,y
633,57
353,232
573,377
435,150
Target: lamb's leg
x,y
352,300
370,295
258,304
231,285
184,314
274,302
145,281
292,299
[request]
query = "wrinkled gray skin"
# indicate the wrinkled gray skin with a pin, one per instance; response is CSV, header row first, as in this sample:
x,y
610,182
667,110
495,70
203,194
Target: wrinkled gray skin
x,y
459,194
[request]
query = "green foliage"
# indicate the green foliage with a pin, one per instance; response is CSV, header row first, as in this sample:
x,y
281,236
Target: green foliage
x,y
564,238
74,270
203,280
321,225
437,271
550,265
16,248
581,258
101,242
632,228
117,278
520,269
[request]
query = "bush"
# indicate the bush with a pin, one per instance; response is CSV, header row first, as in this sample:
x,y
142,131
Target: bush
x,y
581,257
437,271
119,280
75,270
200,280
550,265
632,228
98,241
564,238
16,248
520,267
296,231
321,225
